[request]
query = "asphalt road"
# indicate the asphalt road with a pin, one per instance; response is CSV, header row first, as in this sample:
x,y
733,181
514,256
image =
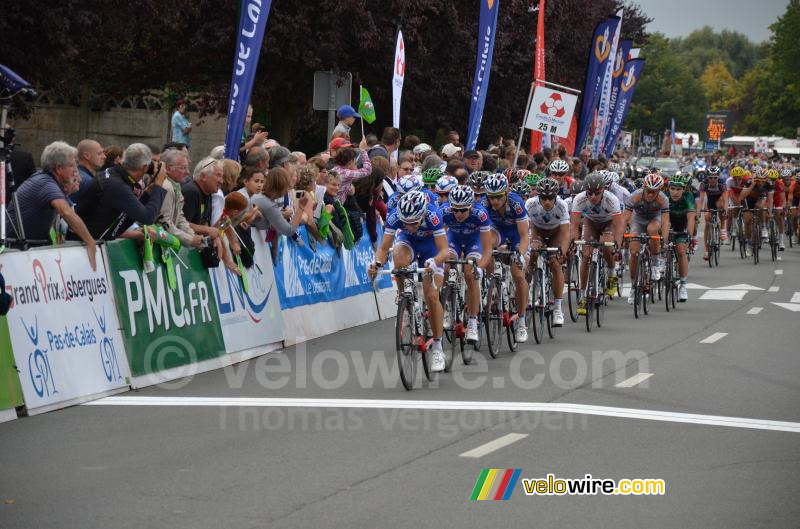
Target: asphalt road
x,y
360,451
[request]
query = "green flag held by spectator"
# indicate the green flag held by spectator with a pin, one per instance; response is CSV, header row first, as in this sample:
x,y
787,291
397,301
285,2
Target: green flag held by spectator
x,y
365,107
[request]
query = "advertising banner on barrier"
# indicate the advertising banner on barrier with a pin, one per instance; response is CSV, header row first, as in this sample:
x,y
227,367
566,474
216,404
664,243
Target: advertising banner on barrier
x,y
63,326
10,390
249,317
305,276
161,328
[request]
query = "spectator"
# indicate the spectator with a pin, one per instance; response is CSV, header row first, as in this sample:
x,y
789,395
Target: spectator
x,y
548,154
322,169
252,182
5,297
91,158
345,167
181,128
171,217
372,140
540,161
41,197
306,186
406,156
430,162
585,154
454,138
276,185
451,152
334,208
410,142
522,160
231,169
300,157
406,168
579,170
257,136
461,175
368,193
390,142
336,144
473,161
113,156
258,158
114,200
347,116
562,153
489,163
593,165
218,152
177,145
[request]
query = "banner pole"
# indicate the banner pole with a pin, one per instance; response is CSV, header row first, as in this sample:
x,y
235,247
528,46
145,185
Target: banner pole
x,y
362,117
522,128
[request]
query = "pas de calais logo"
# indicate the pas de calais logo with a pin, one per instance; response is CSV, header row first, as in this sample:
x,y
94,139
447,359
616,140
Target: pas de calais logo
x,y
495,484
602,47
108,355
619,65
629,80
553,106
490,4
39,368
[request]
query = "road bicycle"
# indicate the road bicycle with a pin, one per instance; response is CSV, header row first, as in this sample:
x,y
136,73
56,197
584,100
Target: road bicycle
x,y
572,279
737,231
643,285
453,297
595,292
714,238
772,235
541,302
500,309
671,279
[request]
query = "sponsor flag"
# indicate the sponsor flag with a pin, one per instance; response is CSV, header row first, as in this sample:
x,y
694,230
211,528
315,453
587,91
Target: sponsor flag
x,y
398,77
365,106
252,23
487,25
616,76
538,139
605,95
633,72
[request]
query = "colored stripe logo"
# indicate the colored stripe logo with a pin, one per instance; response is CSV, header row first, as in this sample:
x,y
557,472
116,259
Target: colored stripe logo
x,y
495,484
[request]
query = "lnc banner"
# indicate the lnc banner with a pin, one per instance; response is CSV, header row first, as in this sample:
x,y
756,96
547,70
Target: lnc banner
x,y
633,72
252,22
598,55
306,277
487,27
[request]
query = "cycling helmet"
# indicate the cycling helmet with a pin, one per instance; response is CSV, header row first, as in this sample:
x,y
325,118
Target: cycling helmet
x,y
654,182
532,179
713,170
409,183
786,173
772,174
521,188
577,187
594,182
614,167
430,176
759,173
547,187
558,166
496,184
679,180
412,206
446,184
614,176
462,197
608,179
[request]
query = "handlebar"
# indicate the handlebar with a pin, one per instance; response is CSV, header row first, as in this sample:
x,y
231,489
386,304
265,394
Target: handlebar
x,y
595,244
642,237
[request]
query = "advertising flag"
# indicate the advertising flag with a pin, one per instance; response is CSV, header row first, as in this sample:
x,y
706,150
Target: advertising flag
x,y
616,76
365,106
487,25
398,76
633,72
539,140
605,94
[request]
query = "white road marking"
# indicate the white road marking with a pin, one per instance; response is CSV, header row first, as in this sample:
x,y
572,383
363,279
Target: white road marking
x,y
740,286
773,289
717,336
635,380
493,446
695,286
755,310
778,272
581,409
724,295
795,298
794,307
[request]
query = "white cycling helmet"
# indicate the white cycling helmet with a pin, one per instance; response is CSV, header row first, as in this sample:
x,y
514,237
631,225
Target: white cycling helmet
x,y
496,184
409,183
412,206
462,197
445,184
558,166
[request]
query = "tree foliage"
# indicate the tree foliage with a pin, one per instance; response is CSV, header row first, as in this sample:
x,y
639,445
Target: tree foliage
x,y
705,46
719,86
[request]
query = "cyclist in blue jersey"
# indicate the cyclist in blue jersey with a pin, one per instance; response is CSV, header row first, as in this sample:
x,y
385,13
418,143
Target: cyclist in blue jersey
x,y
469,237
406,184
510,224
417,231
444,185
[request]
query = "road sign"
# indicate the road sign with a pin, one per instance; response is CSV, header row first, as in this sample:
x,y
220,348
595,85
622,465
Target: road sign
x,y
327,83
551,111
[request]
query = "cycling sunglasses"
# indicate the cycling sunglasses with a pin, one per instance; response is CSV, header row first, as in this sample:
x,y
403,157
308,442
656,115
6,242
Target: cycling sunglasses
x,y
547,197
460,210
594,193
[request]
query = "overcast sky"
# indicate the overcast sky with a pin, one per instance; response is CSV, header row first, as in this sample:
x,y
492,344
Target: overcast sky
x,y
678,18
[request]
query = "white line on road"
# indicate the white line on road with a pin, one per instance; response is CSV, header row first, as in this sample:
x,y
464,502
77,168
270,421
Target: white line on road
x,y
795,298
778,272
714,337
755,310
794,307
635,380
773,289
724,295
581,409
492,446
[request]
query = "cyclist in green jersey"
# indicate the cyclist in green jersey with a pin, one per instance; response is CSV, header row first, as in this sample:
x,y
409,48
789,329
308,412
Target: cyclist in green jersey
x,y
681,219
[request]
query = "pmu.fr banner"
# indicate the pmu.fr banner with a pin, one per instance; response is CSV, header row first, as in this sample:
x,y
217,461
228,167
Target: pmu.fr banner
x,y
595,69
487,27
249,311
164,328
305,276
252,23
63,327
633,72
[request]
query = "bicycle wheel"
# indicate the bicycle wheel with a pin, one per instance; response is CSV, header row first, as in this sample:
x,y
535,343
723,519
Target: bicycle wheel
x,y
548,305
591,296
404,343
493,318
427,359
511,336
668,279
647,283
773,239
451,306
466,348
537,318
573,287
600,311
756,241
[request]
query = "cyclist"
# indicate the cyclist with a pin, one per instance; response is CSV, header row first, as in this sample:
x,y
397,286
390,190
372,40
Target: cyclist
x,y
778,202
575,189
522,188
794,196
682,219
549,218
477,182
611,183
756,195
421,238
558,170
600,214
468,237
444,185
647,211
510,223
714,195
407,184
737,180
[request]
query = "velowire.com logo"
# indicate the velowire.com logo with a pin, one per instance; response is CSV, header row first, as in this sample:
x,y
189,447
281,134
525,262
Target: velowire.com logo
x,y
495,484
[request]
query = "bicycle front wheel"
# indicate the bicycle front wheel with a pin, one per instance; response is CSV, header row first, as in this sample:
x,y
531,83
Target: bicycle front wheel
x,y
573,287
493,318
405,345
538,309
591,296
450,306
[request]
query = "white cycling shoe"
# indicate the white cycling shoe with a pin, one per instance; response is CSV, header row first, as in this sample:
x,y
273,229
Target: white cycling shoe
x,y
521,334
558,318
437,366
472,331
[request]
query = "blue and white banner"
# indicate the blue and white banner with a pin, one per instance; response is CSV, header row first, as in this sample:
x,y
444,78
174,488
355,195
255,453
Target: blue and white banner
x,y
598,56
487,27
633,72
623,52
306,277
252,23
672,137
603,115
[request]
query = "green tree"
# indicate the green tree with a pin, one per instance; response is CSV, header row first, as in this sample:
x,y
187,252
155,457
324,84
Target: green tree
x,y
667,89
719,86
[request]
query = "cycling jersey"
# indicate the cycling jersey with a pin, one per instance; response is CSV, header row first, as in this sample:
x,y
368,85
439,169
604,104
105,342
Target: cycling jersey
x,y
463,238
421,243
543,219
620,192
737,188
644,210
563,190
505,224
680,209
715,191
604,211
